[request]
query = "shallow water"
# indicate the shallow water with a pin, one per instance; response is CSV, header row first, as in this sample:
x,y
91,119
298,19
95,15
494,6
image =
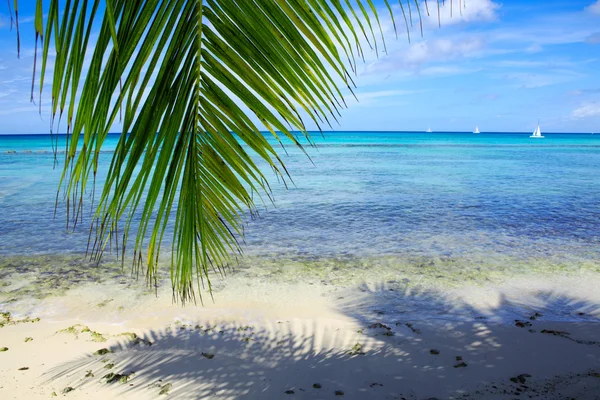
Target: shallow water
x,y
448,208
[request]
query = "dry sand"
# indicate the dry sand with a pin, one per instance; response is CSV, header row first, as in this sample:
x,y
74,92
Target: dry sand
x,y
264,340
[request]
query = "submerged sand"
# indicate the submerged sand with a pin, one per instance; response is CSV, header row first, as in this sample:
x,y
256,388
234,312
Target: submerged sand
x,y
526,337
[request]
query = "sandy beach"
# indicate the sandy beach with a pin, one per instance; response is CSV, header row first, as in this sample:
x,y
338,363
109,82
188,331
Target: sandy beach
x,y
262,340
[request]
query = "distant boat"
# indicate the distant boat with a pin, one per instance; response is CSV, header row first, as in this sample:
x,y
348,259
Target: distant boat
x,y
537,134
476,129
429,130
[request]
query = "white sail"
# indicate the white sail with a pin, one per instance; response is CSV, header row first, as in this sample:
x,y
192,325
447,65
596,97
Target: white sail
x,y
476,129
537,133
429,130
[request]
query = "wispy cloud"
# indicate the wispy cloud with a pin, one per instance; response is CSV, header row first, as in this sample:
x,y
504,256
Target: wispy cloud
x,y
594,8
530,80
370,98
18,110
461,11
426,52
579,92
447,70
594,38
587,110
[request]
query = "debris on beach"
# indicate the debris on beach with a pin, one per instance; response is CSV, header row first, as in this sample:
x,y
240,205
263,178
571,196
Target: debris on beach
x,y
535,316
3,349
208,356
245,328
553,332
411,327
67,390
289,392
89,374
135,339
104,303
73,330
166,388
109,365
375,384
132,336
102,352
121,378
317,386
435,352
78,329
97,337
522,324
379,325
520,378
339,393
7,319
461,363
28,339
23,368
356,350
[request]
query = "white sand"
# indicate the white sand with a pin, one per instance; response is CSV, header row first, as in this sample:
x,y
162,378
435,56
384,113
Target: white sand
x,y
269,338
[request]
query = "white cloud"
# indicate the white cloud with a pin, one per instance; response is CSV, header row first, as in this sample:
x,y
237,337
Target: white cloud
x,y
587,110
594,8
458,11
431,51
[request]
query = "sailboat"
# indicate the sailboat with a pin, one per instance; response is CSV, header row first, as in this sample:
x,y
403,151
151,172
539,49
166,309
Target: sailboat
x,y
476,129
429,130
537,134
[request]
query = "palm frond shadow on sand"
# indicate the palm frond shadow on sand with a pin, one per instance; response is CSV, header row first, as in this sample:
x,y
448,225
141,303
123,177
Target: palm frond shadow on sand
x,y
395,359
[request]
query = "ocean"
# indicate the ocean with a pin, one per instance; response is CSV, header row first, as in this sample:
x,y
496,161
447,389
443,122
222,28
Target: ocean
x,y
422,207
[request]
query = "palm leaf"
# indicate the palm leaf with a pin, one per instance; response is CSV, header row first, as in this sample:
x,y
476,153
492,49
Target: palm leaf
x,y
179,75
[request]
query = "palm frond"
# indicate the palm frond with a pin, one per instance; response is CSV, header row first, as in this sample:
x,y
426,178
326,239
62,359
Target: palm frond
x,y
179,75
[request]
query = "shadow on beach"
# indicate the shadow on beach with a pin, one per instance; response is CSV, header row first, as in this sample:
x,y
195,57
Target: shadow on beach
x,y
384,351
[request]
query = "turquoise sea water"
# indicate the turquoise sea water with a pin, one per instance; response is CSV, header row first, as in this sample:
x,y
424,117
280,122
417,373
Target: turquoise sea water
x,y
449,206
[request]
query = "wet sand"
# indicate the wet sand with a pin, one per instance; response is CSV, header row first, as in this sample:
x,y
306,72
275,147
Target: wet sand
x,y
271,340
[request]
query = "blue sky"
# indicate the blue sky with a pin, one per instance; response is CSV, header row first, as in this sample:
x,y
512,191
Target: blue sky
x,y
501,65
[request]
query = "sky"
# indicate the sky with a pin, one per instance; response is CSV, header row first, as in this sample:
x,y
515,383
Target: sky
x,y
501,65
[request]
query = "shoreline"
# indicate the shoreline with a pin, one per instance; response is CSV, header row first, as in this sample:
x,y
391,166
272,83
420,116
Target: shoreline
x,y
260,339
